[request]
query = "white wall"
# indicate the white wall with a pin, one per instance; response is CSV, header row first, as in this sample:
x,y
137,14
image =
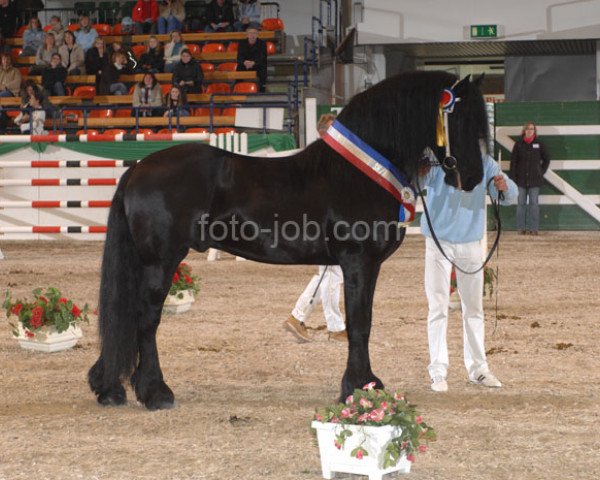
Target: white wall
x,y
412,21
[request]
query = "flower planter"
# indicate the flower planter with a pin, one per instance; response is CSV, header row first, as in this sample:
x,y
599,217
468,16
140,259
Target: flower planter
x,y
375,442
181,302
454,301
47,339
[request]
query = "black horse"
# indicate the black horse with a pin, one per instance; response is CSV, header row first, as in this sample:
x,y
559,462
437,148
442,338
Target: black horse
x,y
193,196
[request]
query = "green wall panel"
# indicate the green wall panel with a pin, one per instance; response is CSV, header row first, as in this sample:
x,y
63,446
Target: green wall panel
x,y
546,113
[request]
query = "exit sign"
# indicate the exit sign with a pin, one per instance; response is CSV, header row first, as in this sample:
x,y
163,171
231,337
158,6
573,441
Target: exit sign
x,y
484,31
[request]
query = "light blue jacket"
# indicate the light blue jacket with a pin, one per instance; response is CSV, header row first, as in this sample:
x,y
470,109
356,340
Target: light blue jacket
x,y
458,216
250,10
86,39
33,39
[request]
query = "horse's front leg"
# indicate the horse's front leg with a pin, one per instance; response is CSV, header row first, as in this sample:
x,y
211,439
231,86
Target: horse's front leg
x,y
360,278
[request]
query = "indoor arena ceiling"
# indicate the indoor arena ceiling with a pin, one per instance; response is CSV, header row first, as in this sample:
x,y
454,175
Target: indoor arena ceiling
x,y
496,49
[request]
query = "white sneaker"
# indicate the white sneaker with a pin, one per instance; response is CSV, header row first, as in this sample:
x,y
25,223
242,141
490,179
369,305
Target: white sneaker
x,y
213,254
487,380
439,384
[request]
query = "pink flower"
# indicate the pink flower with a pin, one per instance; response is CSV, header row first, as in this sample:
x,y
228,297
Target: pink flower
x,y
377,415
410,458
419,420
318,418
346,413
349,400
422,448
335,420
399,397
369,386
384,404
365,403
363,418
360,454
337,444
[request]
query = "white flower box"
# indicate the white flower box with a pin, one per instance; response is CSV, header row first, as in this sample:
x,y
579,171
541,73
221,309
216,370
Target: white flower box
x,y
47,339
179,303
375,442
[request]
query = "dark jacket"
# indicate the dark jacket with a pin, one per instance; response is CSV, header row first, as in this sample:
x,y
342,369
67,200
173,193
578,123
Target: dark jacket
x,y
8,20
189,71
216,14
94,63
52,75
528,163
151,61
257,53
110,75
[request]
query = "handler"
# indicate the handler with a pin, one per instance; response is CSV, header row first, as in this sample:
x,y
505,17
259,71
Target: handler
x,y
458,222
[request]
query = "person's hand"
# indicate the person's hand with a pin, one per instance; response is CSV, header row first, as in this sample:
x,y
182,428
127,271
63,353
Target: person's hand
x,y
181,83
214,26
248,63
500,183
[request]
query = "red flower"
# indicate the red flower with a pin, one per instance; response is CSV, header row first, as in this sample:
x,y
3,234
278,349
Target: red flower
x,y
188,279
44,299
62,300
419,420
75,311
422,448
16,308
175,277
410,458
36,317
360,454
28,334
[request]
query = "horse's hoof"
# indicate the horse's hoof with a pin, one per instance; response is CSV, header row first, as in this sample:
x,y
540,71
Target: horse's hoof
x,y
162,399
113,398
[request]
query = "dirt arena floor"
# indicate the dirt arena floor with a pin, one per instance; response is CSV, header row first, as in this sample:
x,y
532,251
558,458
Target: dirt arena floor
x,y
246,391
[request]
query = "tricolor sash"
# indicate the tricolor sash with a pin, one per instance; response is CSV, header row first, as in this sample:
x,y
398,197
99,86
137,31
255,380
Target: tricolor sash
x,y
375,166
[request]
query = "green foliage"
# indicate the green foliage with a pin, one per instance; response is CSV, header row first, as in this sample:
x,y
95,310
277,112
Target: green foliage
x,y
183,280
489,278
374,407
47,308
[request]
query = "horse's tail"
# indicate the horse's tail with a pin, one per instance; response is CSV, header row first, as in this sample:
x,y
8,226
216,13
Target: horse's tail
x,y
119,297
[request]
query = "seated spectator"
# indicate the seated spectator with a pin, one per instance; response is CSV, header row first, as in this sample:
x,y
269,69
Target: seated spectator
x,y
96,58
73,58
54,77
44,54
145,15
172,16
8,18
252,55
109,80
147,93
86,35
248,15
219,17
33,118
188,74
176,103
33,38
173,50
28,88
119,47
152,60
56,27
10,78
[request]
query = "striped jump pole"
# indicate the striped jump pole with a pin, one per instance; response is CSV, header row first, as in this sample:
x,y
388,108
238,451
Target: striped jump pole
x,y
55,204
68,163
54,229
57,182
102,137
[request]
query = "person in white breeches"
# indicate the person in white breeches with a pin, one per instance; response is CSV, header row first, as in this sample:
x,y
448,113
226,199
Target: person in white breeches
x,y
458,221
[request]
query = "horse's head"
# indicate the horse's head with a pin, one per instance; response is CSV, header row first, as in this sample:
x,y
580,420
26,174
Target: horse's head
x,y
468,134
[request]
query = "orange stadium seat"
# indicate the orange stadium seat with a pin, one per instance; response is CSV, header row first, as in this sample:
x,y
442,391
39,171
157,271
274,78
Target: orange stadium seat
x,y
15,53
228,112
196,130
194,48
166,88
271,24
90,131
245,87
73,27
232,47
224,130
213,48
47,28
143,131
227,67
123,112
115,131
117,29
207,67
21,30
72,115
271,48
205,112
85,91
103,28
101,113
218,88
138,50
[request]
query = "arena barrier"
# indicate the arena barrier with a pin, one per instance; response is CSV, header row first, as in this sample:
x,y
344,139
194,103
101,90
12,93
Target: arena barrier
x,y
36,207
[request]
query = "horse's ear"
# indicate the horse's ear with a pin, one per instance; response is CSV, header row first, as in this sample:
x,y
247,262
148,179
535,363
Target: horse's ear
x,y
477,82
460,86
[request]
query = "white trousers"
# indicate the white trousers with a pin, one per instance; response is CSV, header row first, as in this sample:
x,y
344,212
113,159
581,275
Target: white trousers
x,y
470,288
328,294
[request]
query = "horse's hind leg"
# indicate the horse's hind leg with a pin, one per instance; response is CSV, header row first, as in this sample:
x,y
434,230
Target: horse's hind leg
x,y
147,380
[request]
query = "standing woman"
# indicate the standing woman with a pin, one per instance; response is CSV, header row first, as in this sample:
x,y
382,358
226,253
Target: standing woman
x,y
172,15
33,38
529,162
44,54
73,58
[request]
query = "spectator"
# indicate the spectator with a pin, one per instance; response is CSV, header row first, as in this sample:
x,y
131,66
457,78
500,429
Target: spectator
x,y
148,94
44,54
188,74
73,58
172,16
86,35
109,80
96,58
173,50
219,17
119,47
529,161
145,15
33,118
33,38
248,15
10,78
152,60
54,77
28,88
8,18
176,103
252,55
56,27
